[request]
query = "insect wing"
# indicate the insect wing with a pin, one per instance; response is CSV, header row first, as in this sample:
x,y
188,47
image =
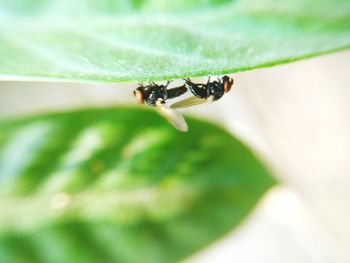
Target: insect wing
x,y
172,116
191,101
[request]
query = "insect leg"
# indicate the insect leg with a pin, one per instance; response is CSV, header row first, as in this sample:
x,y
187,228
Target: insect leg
x,y
208,79
167,83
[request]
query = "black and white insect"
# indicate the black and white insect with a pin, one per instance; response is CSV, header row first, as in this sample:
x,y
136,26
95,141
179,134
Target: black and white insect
x,y
157,95
211,91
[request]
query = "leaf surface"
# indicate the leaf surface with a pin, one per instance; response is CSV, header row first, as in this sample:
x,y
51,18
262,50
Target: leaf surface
x,y
108,186
117,40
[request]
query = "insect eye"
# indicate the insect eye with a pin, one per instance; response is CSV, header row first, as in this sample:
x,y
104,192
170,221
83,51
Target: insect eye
x,y
139,96
227,83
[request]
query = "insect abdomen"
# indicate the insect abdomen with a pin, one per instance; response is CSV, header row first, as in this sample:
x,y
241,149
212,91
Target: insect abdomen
x,y
176,92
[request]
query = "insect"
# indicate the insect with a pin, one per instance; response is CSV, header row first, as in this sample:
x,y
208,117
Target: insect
x,y
211,91
157,95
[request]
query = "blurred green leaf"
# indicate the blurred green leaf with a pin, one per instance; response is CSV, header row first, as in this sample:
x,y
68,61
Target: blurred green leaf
x,y
117,40
109,186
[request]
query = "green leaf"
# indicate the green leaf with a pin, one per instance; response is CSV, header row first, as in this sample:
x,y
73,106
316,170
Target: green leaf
x,y
117,40
109,186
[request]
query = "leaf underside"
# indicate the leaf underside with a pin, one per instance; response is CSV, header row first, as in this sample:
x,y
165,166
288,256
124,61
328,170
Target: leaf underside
x,y
107,186
117,40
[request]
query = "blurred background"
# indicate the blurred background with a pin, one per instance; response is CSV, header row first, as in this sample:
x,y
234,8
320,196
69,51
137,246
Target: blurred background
x,y
295,116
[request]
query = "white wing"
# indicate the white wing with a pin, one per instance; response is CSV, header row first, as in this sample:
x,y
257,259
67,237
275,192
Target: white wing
x,y
172,116
191,101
